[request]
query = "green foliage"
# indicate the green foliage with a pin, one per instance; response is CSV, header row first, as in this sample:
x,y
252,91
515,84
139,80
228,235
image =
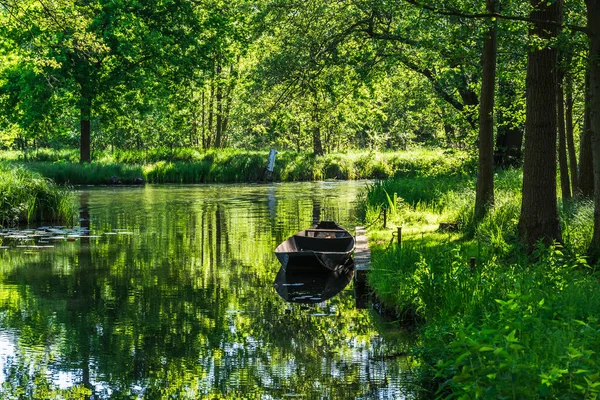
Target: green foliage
x,y
28,197
512,325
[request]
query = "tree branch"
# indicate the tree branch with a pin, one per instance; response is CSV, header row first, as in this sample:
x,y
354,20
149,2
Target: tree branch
x,y
457,13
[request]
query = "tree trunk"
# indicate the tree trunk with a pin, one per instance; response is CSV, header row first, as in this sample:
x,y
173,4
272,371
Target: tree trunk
x,y
484,197
211,102
203,119
586,169
593,25
219,96
565,184
228,100
85,152
316,130
539,210
570,133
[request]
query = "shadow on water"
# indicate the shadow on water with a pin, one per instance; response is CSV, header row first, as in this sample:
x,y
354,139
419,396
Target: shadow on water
x,y
298,284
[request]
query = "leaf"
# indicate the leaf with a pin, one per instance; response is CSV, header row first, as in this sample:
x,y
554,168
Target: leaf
x,y
486,348
462,357
511,336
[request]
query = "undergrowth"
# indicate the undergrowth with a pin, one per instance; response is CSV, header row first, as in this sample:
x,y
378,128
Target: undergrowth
x,y
493,320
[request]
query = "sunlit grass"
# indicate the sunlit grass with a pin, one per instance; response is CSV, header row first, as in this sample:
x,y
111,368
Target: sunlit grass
x,y
232,165
511,325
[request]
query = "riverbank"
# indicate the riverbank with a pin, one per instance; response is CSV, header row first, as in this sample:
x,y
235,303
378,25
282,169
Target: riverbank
x,y
493,321
228,165
26,196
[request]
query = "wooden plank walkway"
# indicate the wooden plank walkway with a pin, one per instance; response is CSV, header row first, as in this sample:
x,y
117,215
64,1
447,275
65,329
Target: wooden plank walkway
x,y
362,255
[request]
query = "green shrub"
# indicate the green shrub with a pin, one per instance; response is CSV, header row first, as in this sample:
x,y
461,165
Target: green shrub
x,y
26,196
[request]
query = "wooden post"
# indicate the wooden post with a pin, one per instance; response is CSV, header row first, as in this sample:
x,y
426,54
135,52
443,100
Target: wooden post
x,y
399,237
384,218
270,164
473,261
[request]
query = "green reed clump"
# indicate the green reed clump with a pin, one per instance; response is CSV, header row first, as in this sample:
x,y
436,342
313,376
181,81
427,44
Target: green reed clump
x,y
26,196
85,174
577,217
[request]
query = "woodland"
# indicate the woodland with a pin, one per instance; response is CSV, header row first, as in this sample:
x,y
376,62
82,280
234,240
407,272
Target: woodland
x,y
315,77
513,85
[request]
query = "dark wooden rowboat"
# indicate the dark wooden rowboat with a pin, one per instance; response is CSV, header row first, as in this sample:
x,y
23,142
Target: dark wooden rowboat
x,y
325,244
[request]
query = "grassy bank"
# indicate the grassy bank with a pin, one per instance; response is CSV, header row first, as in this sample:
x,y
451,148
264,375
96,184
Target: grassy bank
x,y
514,325
26,196
228,165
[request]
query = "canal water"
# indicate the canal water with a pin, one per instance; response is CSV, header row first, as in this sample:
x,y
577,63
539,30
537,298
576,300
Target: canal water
x,y
171,294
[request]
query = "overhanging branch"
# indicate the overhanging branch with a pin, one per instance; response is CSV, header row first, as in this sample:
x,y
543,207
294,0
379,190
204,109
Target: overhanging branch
x,y
457,13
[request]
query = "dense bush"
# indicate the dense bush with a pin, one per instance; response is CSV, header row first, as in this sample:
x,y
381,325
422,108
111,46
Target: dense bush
x,y
26,197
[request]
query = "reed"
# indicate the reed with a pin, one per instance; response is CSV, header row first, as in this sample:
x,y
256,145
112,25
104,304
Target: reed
x,y
29,197
232,165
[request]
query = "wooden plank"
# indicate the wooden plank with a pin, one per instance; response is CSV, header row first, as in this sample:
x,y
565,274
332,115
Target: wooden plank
x,y
362,255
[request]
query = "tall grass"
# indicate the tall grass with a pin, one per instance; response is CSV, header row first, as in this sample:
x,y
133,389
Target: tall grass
x,y
26,196
229,165
517,325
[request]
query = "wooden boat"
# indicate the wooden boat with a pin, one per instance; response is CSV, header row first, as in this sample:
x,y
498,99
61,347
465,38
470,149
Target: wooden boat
x,y
325,244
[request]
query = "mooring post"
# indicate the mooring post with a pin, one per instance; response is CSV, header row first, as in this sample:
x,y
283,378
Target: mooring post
x,y
270,164
399,237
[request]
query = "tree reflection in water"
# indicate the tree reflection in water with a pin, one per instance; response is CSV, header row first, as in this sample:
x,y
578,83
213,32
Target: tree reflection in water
x,y
180,302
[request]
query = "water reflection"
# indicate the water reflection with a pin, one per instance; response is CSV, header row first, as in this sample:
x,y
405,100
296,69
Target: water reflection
x,y
171,295
298,284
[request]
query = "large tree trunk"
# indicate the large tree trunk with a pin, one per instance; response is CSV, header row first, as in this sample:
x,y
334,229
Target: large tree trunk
x,y
539,211
484,197
570,133
565,183
593,24
586,169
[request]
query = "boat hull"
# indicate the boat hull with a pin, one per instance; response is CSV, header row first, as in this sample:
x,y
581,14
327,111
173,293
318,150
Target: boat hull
x,y
325,245
313,260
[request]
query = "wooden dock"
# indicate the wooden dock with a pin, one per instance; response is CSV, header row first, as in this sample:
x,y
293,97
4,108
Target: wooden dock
x,y
362,255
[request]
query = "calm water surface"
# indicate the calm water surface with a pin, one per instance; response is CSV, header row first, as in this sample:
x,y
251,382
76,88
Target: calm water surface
x,y
175,298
